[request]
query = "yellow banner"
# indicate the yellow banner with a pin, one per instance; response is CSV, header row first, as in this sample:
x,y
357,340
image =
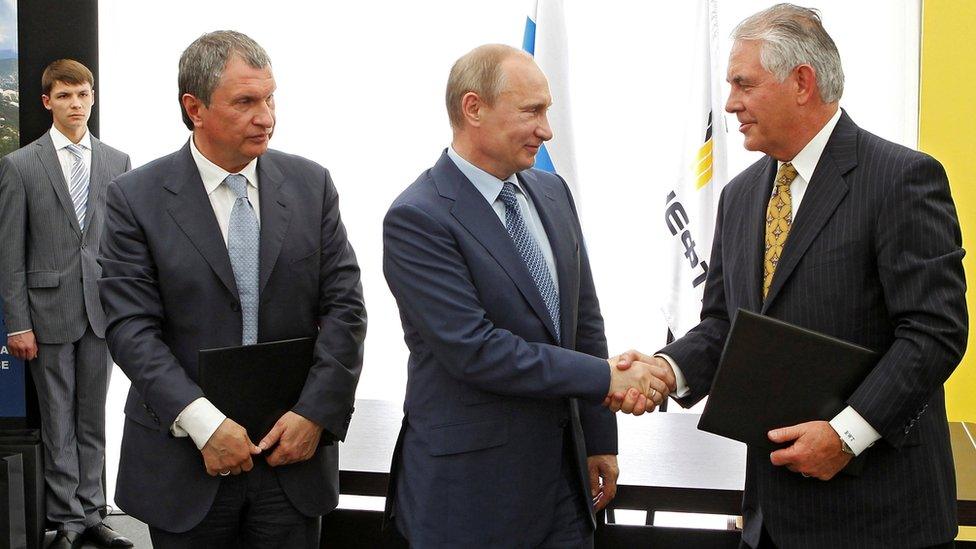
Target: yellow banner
x,y
947,112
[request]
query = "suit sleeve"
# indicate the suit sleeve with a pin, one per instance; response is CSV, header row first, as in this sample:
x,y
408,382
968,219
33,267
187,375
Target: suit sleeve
x,y
134,314
330,389
429,278
697,353
13,238
598,422
919,259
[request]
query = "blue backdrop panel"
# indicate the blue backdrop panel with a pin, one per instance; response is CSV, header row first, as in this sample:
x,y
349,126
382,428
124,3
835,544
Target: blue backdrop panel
x,y
12,391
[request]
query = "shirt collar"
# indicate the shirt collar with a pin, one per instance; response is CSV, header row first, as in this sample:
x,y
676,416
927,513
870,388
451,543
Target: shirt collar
x,y
805,162
213,175
488,185
60,141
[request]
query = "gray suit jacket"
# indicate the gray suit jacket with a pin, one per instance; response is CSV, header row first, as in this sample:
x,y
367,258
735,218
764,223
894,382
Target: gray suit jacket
x,y
49,268
874,257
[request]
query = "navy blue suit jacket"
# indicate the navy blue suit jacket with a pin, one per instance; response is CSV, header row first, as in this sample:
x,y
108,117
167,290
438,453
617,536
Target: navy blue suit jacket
x,y
873,257
490,393
168,290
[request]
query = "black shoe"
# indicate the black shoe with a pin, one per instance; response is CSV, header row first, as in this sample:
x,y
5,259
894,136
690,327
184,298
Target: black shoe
x,y
103,536
66,540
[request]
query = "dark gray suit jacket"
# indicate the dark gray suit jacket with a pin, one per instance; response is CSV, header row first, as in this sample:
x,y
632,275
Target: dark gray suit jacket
x,y
490,392
49,268
168,290
874,257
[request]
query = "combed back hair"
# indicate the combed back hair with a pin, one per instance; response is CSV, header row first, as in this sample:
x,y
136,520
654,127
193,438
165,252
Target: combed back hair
x,y
67,71
479,71
791,36
203,62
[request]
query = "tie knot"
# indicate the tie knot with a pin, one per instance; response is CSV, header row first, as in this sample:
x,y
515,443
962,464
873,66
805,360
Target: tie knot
x,y
76,150
786,174
238,184
507,195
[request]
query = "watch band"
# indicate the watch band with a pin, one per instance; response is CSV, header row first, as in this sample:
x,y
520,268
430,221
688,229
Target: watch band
x,y
845,448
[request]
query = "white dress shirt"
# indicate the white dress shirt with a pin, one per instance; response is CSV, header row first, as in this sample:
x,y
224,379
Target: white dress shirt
x,y
850,425
201,418
67,160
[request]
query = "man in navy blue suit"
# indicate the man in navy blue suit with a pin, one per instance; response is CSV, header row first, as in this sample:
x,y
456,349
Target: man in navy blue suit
x,y
504,441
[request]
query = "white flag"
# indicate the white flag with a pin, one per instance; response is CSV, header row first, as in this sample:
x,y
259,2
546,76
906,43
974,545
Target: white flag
x,y
545,38
688,222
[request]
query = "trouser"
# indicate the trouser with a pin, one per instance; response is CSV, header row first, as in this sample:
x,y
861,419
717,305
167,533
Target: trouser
x,y
250,510
72,384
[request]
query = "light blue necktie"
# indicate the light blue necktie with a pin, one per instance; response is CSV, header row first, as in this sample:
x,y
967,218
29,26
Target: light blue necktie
x,y
528,248
78,185
243,243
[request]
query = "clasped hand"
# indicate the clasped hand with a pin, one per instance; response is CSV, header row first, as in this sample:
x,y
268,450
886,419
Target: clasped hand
x,y
638,383
229,449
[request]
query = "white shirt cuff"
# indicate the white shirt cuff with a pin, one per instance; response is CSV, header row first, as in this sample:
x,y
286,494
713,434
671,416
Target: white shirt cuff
x,y
198,420
679,379
854,430
18,333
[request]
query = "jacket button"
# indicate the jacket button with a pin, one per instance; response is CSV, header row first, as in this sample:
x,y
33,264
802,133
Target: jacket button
x,y
235,306
563,423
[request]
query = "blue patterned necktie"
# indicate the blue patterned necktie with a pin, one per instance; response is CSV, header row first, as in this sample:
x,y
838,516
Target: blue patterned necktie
x,y
531,253
78,185
243,242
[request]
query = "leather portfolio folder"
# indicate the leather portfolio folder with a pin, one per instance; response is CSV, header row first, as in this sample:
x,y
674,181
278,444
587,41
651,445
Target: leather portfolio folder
x,y
774,374
255,384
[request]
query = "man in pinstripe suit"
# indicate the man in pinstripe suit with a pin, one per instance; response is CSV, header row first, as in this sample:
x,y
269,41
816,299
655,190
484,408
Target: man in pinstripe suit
x,y
842,232
52,196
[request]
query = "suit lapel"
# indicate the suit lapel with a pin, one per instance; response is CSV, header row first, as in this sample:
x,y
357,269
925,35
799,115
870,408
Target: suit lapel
x,y
194,215
97,179
564,249
476,215
755,231
275,217
49,159
825,192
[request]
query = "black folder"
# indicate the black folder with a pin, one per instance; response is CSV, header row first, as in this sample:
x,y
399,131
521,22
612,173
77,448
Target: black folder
x,y
774,374
255,384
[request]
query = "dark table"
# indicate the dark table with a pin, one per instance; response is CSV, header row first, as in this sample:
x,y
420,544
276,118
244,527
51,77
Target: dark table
x,y
666,463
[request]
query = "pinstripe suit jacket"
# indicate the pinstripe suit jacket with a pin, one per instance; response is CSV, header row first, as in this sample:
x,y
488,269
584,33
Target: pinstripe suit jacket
x,y
874,257
49,268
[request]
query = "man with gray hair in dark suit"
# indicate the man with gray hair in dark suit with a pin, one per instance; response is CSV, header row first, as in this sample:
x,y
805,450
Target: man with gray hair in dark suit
x,y
844,233
52,201
221,244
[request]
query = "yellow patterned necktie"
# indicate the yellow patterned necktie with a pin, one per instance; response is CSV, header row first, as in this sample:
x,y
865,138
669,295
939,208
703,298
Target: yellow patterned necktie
x,y
779,217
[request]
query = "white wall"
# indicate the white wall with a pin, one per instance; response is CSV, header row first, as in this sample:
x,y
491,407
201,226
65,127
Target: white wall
x,y
360,90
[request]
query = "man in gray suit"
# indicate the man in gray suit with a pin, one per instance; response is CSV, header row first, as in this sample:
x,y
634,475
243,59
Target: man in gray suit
x,y
841,232
52,197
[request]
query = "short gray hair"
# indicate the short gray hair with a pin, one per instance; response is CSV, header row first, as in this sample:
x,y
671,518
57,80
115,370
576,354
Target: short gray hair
x,y
791,36
477,71
203,62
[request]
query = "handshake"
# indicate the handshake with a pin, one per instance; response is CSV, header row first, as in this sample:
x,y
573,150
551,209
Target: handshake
x,y
638,383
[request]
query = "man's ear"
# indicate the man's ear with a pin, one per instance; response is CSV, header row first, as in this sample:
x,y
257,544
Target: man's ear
x,y
806,84
471,107
193,106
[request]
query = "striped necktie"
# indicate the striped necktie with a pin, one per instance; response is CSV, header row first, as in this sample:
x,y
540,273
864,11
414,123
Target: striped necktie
x,y
528,248
78,185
